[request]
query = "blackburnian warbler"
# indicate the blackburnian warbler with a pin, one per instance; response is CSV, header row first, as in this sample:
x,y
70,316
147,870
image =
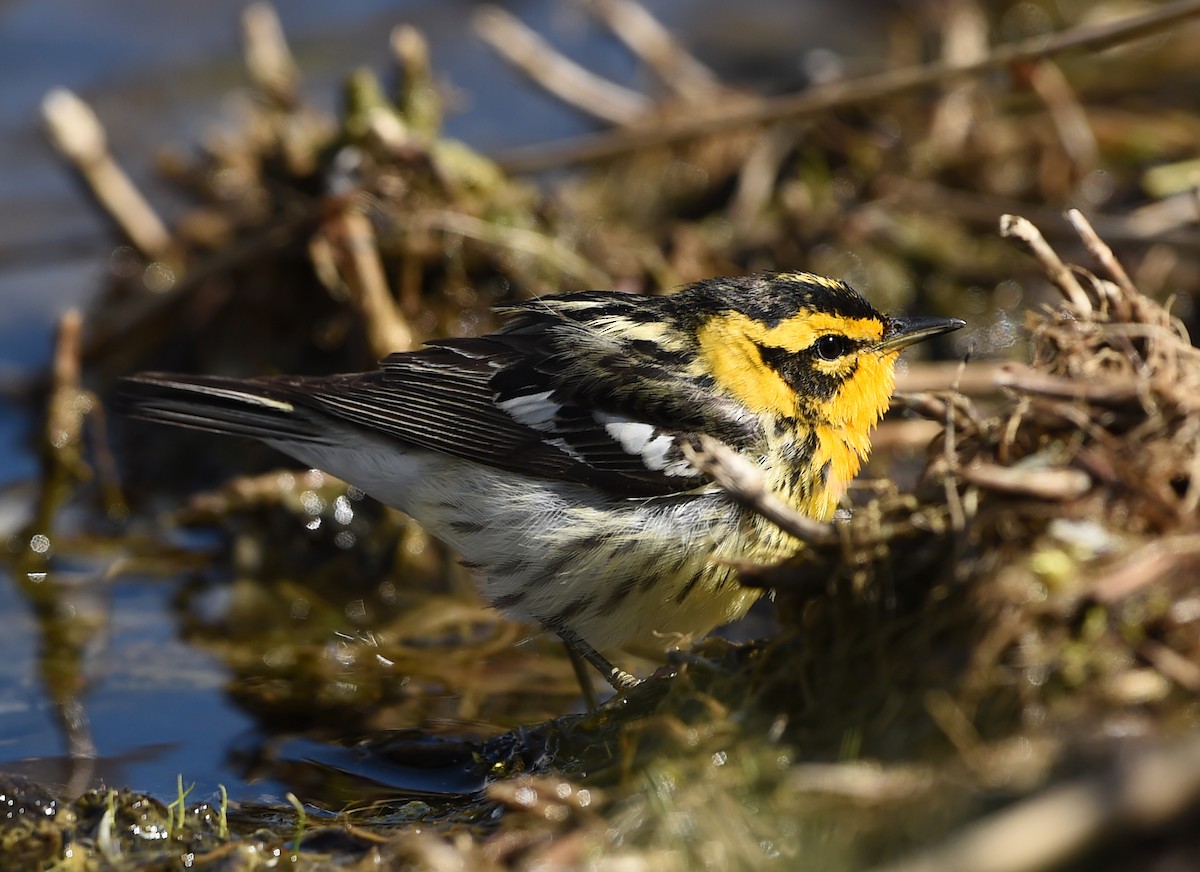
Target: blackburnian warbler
x,y
549,454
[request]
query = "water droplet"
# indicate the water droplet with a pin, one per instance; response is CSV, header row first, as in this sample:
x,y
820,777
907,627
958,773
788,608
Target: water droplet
x,y
313,503
1003,334
158,278
124,262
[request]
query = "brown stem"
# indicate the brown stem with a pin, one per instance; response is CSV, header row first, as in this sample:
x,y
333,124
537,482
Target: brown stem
x,y
840,94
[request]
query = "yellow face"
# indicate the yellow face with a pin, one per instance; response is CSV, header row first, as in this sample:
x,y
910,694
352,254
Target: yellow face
x,y
814,361
818,374
822,368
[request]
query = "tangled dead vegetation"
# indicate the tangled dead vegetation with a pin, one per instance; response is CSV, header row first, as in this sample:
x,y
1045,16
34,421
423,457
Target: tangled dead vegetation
x,y
1084,478
1031,612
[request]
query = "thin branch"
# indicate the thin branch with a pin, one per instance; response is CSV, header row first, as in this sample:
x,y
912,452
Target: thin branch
x,y
547,249
1159,218
1108,391
974,379
981,208
658,48
744,482
1102,253
954,501
1171,664
1042,484
76,133
894,435
361,268
268,59
864,90
964,41
1016,227
561,76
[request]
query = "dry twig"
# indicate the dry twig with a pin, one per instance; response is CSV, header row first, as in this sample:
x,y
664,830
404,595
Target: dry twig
x,y
658,49
361,269
1171,664
1016,227
77,134
268,59
1042,484
840,94
977,378
964,41
1025,379
743,481
1104,254
981,208
548,249
559,75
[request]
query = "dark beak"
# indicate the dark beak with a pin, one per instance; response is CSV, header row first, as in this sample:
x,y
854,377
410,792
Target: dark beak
x,y
903,332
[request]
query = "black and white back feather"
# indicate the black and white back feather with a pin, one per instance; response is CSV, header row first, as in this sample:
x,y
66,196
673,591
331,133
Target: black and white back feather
x,y
564,391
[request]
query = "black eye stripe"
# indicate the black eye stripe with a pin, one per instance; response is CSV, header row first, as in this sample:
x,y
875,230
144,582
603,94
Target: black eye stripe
x,y
798,368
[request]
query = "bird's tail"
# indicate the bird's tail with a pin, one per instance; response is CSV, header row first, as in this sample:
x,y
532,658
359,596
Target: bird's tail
x,y
257,408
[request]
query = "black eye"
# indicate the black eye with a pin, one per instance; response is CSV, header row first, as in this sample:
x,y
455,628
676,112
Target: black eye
x,y
832,347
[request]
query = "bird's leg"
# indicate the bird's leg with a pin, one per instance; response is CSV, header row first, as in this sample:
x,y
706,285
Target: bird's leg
x,y
617,677
583,674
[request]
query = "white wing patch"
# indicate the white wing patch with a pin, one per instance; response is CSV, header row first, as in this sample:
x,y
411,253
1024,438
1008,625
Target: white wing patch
x,y
643,440
533,410
657,450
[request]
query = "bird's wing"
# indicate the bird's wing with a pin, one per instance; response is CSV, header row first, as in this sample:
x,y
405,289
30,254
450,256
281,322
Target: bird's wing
x,y
579,370
448,398
538,398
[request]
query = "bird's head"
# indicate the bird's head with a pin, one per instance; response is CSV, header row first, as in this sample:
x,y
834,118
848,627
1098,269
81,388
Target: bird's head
x,y
804,348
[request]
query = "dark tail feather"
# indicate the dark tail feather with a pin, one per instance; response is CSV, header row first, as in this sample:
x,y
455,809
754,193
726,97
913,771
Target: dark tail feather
x,y
237,407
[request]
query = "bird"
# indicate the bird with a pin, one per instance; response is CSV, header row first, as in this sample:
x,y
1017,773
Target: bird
x,y
552,454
